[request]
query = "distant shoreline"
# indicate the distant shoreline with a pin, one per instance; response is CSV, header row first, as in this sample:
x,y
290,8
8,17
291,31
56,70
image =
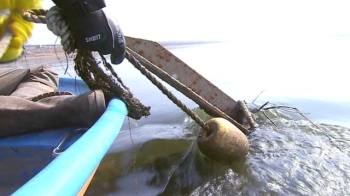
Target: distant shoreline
x,y
163,43
36,54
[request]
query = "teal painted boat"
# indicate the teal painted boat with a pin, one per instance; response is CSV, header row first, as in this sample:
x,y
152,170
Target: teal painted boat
x,y
58,162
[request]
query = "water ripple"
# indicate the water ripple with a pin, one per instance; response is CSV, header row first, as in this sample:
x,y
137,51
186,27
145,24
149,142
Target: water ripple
x,y
295,159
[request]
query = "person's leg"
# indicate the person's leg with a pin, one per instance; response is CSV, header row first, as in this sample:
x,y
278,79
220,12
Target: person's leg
x,y
42,79
36,106
19,115
11,78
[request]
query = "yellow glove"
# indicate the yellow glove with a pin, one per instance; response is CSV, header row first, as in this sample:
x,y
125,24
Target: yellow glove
x,y
5,4
14,30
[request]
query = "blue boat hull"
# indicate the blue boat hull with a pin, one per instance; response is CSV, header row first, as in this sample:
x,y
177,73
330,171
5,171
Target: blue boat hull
x,y
27,159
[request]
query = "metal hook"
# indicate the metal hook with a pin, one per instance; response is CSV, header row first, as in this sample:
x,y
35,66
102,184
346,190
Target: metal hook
x,y
59,149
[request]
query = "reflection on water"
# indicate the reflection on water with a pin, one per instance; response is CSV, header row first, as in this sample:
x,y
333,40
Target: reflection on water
x,y
294,161
294,158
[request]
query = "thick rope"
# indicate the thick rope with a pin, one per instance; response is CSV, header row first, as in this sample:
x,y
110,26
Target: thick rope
x,y
35,15
161,87
95,77
5,42
55,23
85,64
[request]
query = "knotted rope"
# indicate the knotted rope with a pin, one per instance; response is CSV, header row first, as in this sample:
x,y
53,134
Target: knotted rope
x,y
55,23
85,64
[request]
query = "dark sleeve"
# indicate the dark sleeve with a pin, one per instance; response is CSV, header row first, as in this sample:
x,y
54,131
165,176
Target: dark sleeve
x,y
79,7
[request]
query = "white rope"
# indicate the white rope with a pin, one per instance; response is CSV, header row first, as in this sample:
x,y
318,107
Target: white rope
x,y
5,41
58,26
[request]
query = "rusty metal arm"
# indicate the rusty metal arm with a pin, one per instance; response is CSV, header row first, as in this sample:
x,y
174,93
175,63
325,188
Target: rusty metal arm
x,y
205,105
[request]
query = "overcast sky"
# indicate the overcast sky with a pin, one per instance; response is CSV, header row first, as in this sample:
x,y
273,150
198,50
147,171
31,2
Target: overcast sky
x,y
276,20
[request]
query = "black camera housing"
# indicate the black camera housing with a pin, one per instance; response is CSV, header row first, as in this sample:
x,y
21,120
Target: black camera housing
x,y
93,29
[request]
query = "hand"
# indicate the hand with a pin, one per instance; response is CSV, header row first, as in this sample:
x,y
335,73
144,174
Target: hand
x,y
92,28
14,30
